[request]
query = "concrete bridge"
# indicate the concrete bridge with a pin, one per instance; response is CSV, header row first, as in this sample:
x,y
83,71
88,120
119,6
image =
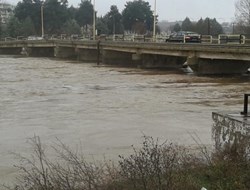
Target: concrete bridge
x,y
202,58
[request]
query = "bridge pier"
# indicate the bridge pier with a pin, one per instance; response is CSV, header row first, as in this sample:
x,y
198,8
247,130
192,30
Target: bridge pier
x,y
10,51
87,55
111,57
218,66
65,52
147,61
162,61
38,51
137,59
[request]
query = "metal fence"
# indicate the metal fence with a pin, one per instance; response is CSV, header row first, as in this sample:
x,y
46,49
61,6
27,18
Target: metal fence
x,y
231,39
205,39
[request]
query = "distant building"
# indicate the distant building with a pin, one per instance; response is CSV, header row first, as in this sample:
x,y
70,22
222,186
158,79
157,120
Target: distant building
x,y
6,10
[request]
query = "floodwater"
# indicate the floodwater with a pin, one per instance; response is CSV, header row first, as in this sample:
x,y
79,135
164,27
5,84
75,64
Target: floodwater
x,y
105,110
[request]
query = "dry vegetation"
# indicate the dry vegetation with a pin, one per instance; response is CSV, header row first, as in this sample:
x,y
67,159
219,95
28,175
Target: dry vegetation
x,y
159,166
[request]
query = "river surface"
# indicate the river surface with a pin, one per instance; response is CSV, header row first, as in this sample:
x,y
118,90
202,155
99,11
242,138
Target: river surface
x,y
105,110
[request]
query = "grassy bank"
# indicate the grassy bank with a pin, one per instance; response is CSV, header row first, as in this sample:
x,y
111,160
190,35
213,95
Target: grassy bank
x,y
154,166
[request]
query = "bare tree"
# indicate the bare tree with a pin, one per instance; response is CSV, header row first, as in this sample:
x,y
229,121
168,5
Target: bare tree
x,y
242,14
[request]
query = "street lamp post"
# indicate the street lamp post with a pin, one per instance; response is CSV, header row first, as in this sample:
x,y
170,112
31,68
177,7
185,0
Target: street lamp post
x,y
208,27
113,27
94,20
154,29
42,20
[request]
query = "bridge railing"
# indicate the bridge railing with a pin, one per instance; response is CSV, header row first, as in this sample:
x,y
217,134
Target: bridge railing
x,y
221,39
134,38
207,39
231,39
21,38
8,39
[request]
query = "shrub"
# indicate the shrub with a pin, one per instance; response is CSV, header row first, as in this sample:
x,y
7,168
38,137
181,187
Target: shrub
x,y
159,166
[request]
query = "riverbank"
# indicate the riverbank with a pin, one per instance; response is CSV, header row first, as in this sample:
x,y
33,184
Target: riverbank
x,y
155,165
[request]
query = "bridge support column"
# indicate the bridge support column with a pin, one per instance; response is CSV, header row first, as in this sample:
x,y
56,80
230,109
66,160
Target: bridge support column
x,y
162,61
218,66
11,51
87,55
118,58
38,51
137,59
65,52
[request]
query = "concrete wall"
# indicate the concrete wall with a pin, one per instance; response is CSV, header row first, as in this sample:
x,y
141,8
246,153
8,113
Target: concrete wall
x,y
10,51
110,57
229,129
65,52
87,55
162,61
40,51
148,61
218,66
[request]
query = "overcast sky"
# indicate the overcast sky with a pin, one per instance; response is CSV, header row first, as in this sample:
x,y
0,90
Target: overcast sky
x,y
172,10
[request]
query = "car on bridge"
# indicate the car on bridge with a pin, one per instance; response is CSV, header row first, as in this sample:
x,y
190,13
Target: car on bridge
x,y
184,37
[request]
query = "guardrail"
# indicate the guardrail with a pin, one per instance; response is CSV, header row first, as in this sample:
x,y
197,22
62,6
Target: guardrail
x,y
231,39
221,39
9,39
133,38
207,39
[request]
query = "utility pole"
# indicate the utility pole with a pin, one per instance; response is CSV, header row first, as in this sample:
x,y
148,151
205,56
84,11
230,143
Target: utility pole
x,y
113,27
154,30
94,20
208,27
42,20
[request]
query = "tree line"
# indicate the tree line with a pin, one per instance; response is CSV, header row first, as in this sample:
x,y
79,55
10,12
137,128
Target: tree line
x,y
136,17
242,17
206,26
59,18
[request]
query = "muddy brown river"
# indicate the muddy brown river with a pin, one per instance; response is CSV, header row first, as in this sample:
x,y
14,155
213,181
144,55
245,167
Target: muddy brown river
x,y
104,110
